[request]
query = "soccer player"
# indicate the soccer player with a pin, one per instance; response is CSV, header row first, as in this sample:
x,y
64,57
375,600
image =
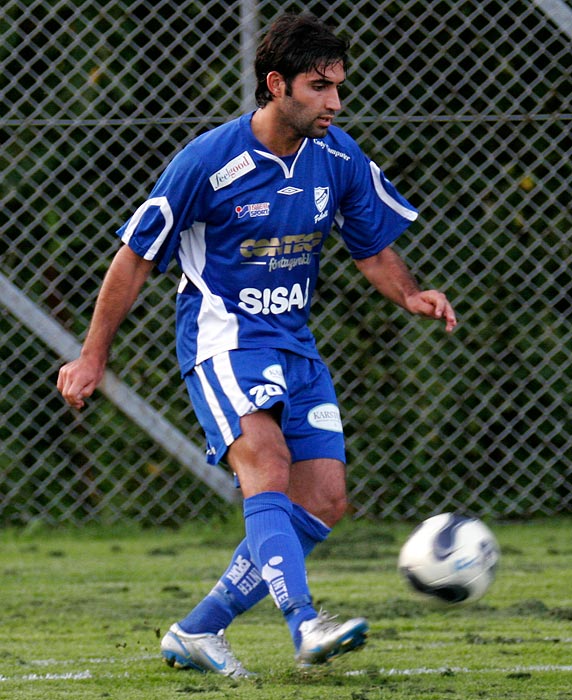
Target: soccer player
x,y
244,210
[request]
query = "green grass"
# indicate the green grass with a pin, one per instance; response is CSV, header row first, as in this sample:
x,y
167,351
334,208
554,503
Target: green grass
x,y
82,613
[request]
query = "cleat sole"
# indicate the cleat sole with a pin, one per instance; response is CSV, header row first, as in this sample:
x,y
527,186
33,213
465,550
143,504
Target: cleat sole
x,y
353,641
174,661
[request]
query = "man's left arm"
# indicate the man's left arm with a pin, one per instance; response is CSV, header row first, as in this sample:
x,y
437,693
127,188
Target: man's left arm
x,y
387,272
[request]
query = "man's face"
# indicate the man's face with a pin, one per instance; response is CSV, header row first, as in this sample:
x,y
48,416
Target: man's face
x,y
313,101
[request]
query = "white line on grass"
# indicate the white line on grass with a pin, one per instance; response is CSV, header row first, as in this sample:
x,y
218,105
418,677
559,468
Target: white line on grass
x,y
444,670
71,676
93,660
423,670
78,676
75,675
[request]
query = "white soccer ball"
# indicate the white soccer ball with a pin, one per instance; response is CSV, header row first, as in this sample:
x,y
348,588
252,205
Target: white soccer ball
x,y
450,557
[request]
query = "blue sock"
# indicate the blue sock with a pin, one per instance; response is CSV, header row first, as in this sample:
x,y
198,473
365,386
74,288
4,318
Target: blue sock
x,y
310,530
241,586
278,555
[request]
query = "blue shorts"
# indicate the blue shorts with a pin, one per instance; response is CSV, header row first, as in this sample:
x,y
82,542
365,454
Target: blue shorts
x,y
236,383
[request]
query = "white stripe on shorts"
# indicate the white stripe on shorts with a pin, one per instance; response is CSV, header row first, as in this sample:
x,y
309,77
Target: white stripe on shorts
x,y
238,399
215,407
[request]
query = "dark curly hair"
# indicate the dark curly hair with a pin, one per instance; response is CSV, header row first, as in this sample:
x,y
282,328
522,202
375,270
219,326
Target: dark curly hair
x,y
296,44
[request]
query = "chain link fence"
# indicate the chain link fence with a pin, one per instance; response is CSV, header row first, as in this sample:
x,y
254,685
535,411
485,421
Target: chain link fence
x,y
467,108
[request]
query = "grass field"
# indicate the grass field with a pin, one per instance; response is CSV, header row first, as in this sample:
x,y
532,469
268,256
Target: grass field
x,y
82,613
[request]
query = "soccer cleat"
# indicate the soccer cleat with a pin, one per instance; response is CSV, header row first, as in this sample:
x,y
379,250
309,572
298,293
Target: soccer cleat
x,y
323,638
202,652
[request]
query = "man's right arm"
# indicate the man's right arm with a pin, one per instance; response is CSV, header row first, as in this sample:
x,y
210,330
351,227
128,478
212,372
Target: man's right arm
x,y
127,273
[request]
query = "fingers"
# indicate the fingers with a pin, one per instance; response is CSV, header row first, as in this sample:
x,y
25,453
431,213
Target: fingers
x,y
75,384
444,310
437,306
72,395
450,318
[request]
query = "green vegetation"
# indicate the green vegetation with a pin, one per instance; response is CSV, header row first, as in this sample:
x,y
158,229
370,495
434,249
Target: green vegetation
x,y
83,611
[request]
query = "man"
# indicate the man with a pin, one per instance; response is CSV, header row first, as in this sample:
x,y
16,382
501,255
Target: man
x,y
245,209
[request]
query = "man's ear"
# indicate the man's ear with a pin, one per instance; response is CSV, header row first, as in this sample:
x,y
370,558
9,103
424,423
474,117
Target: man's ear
x,y
276,83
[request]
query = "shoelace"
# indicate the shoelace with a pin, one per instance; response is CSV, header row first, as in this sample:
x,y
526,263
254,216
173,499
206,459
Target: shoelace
x,y
222,642
326,621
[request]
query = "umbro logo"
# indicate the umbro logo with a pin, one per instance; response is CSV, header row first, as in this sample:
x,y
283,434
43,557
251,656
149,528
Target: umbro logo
x,y
289,190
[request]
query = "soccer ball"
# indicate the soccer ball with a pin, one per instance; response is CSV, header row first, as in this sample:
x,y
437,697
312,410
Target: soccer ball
x,y
451,558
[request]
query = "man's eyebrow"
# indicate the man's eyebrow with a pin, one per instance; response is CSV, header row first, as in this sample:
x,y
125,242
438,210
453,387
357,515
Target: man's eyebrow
x,y
325,81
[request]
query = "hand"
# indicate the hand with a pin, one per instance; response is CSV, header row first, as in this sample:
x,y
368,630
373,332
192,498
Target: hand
x,y
78,380
433,304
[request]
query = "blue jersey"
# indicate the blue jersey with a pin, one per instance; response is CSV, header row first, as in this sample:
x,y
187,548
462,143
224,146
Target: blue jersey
x,y
246,228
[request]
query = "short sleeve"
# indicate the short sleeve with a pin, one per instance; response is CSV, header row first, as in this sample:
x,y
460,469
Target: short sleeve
x,y
372,214
154,230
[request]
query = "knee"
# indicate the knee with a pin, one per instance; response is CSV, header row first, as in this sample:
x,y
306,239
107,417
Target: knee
x,y
330,510
265,471
334,510
319,486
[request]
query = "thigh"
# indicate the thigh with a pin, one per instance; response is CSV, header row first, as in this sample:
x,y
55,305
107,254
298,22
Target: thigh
x,y
259,456
319,486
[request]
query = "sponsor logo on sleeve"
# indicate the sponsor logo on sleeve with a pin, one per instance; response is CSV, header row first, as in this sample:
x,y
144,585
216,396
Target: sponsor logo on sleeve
x,y
235,168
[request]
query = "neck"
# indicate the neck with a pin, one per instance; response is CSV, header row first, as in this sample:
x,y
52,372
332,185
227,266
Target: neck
x,y
268,130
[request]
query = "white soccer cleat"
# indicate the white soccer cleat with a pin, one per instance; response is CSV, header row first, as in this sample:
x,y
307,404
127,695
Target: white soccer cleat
x,y
323,638
202,652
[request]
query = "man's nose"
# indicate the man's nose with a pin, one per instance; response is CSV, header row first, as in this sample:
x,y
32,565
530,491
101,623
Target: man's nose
x,y
333,102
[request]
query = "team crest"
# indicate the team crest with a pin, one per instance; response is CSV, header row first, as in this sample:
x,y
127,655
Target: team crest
x,y
321,197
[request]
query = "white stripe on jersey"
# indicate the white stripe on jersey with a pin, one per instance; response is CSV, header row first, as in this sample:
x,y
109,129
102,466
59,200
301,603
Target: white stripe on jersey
x,y
224,372
217,329
386,198
215,407
165,207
